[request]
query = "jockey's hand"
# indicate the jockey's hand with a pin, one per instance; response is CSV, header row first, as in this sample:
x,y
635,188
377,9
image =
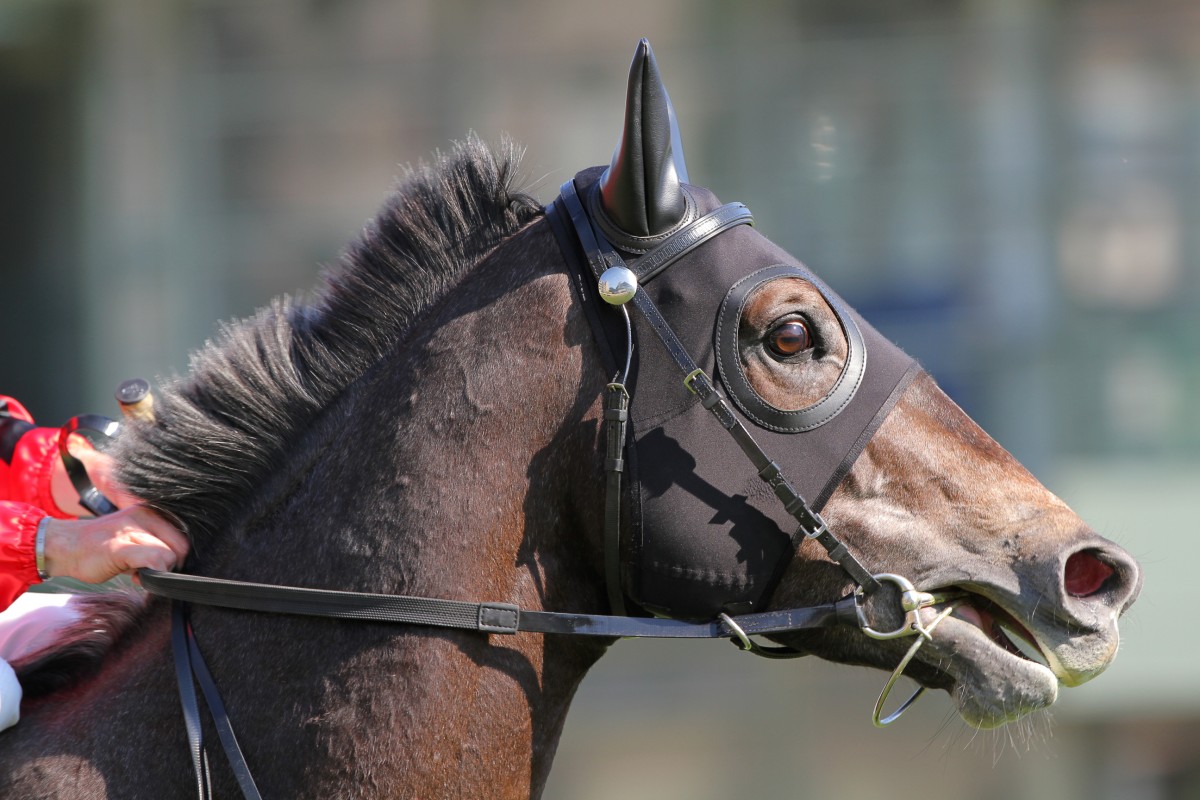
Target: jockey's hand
x,y
94,549
102,471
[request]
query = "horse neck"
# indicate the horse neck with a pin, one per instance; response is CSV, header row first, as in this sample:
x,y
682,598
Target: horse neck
x,y
463,467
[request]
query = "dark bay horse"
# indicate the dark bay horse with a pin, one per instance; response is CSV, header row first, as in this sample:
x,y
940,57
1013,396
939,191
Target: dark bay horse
x,y
431,422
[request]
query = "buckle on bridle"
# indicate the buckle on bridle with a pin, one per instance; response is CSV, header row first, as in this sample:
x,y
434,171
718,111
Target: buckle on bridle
x,y
689,380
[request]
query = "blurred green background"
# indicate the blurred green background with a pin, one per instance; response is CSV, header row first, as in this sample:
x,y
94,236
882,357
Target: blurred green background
x,y
1006,187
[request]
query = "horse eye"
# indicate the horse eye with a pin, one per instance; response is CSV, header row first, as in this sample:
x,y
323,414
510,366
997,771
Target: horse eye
x,y
789,339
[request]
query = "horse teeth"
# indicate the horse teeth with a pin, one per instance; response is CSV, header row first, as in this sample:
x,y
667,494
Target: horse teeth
x,y
1026,648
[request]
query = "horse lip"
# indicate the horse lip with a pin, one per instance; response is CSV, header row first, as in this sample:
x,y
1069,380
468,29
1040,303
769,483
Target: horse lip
x,y
1005,623
1002,624
1000,627
993,684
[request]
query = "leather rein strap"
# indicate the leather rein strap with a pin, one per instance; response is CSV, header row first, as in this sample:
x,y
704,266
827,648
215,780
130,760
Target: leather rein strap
x,y
499,618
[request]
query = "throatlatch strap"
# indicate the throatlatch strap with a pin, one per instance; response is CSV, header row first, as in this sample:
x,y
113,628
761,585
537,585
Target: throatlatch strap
x,y
187,699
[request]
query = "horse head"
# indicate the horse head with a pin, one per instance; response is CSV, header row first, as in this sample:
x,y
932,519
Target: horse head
x,y
901,474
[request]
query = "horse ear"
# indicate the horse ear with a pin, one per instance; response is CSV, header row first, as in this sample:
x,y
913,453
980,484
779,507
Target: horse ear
x,y
640,191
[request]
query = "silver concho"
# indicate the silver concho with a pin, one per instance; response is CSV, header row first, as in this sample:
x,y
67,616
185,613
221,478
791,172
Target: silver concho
x,y
618,285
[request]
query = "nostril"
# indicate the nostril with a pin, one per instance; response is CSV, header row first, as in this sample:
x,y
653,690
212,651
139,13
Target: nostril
x,y
1085,574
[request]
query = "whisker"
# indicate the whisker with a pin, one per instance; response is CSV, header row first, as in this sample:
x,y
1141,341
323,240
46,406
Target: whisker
x,y
942,728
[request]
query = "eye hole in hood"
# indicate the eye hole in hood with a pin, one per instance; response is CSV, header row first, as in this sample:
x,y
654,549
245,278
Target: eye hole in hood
x,y
739,382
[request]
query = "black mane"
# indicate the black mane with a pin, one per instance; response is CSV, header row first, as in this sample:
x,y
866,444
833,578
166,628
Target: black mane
x,y
222,427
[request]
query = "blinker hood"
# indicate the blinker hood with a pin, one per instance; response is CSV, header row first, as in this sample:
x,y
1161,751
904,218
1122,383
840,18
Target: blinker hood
x,y
703,534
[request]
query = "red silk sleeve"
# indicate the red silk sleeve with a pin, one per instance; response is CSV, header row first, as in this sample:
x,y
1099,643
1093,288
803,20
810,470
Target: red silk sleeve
x,y
18,528
27,458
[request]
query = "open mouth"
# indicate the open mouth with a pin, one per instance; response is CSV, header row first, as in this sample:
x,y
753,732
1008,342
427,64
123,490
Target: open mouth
x,y
1001,627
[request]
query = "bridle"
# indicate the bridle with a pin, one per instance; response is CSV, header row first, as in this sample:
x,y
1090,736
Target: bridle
x,y
620,284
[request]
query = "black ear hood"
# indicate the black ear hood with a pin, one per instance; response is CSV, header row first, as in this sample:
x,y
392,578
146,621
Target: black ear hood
x,y
641,200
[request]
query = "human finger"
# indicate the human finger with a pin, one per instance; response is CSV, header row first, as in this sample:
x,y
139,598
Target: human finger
x,y
155,524
144,551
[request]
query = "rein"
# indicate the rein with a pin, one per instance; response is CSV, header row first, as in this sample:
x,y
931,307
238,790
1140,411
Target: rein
x,y
500,618
487,618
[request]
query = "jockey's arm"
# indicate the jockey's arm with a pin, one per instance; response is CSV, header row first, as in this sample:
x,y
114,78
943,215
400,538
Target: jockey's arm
x,y
35,491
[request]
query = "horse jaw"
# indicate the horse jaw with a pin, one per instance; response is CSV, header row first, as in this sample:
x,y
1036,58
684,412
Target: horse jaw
x,y
933,498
